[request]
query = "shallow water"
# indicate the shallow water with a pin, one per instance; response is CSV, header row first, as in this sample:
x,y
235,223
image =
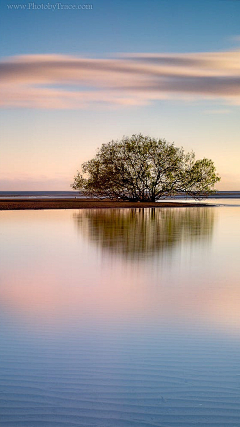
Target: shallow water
x,y
120,317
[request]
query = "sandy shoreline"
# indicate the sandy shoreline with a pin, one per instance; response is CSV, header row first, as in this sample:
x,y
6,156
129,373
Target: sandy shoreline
x,y
23,204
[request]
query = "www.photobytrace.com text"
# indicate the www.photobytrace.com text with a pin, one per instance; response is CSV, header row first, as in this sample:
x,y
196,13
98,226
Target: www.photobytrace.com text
x,y
49,6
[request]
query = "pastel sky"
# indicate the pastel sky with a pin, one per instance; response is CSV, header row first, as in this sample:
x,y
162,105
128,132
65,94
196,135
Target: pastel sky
x,y
76,74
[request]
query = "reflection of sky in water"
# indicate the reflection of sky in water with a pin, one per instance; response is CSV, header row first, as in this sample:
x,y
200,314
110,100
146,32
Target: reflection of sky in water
x,y
185,269
117,318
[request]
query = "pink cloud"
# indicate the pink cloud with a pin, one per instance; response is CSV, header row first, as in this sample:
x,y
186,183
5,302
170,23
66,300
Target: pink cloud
x,y
68,82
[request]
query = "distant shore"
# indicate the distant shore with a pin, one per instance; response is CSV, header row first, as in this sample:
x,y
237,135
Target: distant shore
x,y
26,204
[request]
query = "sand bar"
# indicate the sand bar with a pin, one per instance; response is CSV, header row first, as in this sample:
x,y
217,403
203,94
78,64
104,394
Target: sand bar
x,y
7,204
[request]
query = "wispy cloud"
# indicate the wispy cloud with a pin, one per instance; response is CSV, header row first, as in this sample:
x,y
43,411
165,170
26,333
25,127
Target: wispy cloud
x,y
62,82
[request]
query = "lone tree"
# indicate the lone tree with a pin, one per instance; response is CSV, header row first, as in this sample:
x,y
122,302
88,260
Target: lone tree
x,y
141,168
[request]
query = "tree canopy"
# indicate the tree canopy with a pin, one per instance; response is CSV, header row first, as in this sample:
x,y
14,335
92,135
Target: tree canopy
x,y
141,168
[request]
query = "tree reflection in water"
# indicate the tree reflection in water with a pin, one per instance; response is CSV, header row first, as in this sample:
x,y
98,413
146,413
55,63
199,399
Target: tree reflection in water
x,y
137,232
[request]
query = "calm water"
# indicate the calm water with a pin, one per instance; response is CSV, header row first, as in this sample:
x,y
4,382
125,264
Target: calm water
x,y
120,318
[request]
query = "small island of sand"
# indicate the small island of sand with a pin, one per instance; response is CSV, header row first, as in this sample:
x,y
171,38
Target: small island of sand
x,y
52,203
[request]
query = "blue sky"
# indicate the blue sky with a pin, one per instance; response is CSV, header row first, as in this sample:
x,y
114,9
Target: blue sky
x,y
74,79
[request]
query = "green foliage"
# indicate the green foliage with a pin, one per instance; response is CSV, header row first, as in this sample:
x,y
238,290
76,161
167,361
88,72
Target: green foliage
x,y
142,169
